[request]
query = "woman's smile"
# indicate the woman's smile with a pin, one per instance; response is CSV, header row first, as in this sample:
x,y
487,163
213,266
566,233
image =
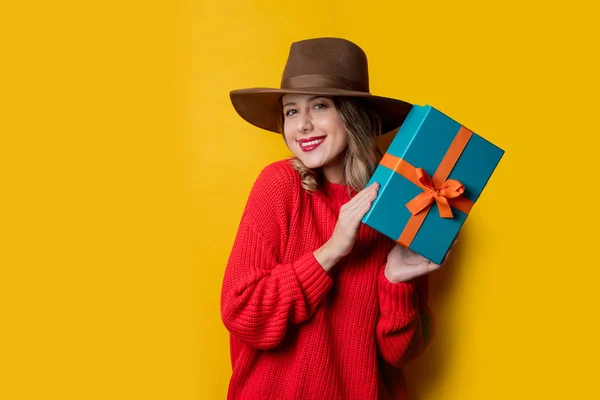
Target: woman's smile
x,y
311,143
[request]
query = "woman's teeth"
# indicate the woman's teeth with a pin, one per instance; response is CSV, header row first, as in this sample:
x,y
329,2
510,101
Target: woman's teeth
x,y
311,143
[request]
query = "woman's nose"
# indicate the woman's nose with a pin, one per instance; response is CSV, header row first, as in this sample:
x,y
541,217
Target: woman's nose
x,y
304,123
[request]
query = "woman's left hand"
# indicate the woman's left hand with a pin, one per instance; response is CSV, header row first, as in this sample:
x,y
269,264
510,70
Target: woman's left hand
x,y
404,264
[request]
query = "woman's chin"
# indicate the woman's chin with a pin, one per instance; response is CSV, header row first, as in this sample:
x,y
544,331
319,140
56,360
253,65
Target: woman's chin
x,y
311,162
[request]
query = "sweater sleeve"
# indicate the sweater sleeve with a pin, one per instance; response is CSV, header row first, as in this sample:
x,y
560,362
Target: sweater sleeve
x,y
260,295
405,324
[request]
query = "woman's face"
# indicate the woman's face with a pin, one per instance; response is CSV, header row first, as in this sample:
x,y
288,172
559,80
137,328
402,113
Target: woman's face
x,y
315,133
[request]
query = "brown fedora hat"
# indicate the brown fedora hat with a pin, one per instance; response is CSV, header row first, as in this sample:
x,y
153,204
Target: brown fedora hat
x,y
321,66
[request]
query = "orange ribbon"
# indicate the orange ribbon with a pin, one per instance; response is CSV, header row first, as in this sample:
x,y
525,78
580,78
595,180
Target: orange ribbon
x,y
444,192
450,189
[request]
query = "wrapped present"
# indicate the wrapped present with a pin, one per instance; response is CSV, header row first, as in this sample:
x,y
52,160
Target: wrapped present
x,y
432,174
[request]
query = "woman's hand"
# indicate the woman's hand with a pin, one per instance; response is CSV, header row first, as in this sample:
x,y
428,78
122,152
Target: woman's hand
x,y
344,234
404,264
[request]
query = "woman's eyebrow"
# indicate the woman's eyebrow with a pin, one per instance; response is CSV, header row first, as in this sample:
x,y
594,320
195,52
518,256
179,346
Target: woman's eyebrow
x,y
291,103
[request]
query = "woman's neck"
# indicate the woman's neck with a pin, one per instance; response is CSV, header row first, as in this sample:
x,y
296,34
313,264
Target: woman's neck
x,y
334,171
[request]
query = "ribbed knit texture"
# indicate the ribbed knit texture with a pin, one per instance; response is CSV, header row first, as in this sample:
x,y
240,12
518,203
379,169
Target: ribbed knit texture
x,y
297,332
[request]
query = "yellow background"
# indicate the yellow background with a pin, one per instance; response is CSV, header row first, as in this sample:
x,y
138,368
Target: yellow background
x,y
125,170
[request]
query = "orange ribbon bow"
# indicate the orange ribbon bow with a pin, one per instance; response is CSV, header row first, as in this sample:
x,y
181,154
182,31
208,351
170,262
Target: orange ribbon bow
x,y
445,192
450,189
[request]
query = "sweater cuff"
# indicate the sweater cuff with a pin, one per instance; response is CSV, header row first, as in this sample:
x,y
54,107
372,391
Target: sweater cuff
x,y
313,279
401,297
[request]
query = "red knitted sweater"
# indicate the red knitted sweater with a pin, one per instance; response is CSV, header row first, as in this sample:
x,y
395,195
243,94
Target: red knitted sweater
x,y
297,332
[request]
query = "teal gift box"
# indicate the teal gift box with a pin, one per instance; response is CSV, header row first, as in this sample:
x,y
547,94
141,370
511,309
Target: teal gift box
x,y
432,174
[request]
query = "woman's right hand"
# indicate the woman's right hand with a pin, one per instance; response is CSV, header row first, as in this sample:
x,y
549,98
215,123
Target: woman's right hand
x,y
344,234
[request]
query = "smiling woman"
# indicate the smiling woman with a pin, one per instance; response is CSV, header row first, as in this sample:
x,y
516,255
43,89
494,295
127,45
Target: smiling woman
x,y
310,121
348,124
301,235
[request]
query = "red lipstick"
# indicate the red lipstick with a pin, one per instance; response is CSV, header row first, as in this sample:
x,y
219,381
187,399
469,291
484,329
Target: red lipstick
x,y
311,143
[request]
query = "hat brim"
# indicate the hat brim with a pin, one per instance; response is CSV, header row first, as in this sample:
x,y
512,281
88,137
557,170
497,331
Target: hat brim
x,y
260,106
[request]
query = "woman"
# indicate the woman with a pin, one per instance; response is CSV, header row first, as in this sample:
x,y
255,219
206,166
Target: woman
x,y
318,305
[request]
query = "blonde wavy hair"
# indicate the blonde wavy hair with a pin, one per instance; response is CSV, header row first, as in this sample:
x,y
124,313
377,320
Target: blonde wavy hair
x,y
362,155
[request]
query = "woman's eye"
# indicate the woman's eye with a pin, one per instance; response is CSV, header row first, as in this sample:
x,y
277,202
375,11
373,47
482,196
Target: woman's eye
x,y
320,105
290,112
